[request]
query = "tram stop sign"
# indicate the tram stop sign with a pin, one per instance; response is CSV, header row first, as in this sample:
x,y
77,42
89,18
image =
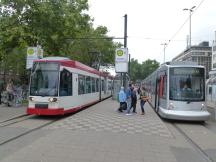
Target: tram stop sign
x,y
121,55
121,60
33,53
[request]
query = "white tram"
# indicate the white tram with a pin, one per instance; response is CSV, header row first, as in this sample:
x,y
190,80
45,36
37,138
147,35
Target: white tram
x,y
59,86
177,91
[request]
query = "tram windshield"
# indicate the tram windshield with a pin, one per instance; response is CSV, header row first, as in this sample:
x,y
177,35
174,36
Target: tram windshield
x,y
44,79
187,84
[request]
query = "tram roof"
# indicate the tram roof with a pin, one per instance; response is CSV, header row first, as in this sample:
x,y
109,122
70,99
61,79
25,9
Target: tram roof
x,y
181,64
64,61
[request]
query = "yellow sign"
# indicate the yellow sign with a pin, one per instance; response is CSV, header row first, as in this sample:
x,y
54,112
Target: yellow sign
x,y
120,52
30,51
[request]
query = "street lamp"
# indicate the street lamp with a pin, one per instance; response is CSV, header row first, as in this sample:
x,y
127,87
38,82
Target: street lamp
x,y
164,44
190,11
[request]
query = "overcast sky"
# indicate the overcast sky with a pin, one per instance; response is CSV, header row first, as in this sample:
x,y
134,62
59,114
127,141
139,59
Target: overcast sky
x,y
154,22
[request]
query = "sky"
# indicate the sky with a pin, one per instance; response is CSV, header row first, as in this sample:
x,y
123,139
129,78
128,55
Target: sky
x,y
152,23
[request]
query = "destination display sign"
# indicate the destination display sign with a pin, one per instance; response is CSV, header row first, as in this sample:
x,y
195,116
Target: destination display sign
x,y
187,71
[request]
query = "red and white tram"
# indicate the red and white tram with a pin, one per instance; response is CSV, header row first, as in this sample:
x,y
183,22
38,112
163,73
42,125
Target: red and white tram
x,y
59,86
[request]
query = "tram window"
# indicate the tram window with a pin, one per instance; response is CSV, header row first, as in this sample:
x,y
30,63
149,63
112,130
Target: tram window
x,y
110,85
210,90
105,85
88,85
187,84
97,85
81,84
93,85
102,85
65,83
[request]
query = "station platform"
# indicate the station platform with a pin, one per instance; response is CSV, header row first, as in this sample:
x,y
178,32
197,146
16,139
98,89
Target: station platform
x,y
101,134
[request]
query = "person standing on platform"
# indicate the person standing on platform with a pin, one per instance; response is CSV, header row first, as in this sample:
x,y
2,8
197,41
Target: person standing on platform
x,y
134,100
128,95
143,99
122,100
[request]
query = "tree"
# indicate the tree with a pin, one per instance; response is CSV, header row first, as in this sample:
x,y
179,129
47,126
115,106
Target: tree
x,y
148,67
141,71
61,27
135,70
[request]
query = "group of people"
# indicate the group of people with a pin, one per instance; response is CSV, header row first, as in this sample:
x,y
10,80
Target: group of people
x,y
128,99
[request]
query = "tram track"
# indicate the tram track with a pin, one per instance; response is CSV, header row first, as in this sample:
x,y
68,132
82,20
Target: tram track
x,y
15,120
25,133
19,120
193,143
16,117
196,146
23,118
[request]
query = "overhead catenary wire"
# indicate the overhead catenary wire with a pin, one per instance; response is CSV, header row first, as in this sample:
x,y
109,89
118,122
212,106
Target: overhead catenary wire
x,y
174,35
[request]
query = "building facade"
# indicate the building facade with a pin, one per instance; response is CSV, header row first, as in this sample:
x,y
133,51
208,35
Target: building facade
x,y
202,54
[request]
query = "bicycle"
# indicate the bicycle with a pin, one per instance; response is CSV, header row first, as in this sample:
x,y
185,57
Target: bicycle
x,y
7,98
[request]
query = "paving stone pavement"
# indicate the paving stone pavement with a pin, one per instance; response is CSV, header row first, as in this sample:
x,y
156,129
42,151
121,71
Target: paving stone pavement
x,y
109,119
101,134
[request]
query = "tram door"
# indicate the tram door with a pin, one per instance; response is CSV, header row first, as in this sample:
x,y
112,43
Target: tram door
x,y
161,100
163,91
157,94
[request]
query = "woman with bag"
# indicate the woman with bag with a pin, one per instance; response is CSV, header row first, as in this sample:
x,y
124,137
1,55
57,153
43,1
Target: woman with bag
x,y
122,100
143,99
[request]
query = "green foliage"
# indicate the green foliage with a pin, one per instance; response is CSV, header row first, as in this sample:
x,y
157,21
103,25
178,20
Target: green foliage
x,y
148,67
61,27
141,71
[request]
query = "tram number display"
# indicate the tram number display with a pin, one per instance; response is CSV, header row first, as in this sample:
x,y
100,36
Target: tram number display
x,y
187,71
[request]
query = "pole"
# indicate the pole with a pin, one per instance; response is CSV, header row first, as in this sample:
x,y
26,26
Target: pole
x,y
125,31
129,66
190,27
190,13
125,45
164,44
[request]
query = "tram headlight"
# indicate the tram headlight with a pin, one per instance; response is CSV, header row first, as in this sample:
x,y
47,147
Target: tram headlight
x,y
31,98
52,99
171,106
203,107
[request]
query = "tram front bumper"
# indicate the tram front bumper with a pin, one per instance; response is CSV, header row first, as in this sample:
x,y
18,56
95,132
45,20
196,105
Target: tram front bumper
x,y
185,115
